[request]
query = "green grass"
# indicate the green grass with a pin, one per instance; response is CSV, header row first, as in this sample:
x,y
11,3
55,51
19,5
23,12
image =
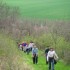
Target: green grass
x,y
10,55
48,9
41,63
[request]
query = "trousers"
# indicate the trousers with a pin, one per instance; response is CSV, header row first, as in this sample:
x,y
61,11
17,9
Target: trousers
x,y
51,63
35,59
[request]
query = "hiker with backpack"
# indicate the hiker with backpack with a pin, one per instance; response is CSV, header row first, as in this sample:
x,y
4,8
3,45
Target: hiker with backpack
x,y
35,54
46,52
51,58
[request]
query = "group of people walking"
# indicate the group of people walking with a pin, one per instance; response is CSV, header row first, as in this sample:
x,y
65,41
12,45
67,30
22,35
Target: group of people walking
x,y
50,54
31,47
26,47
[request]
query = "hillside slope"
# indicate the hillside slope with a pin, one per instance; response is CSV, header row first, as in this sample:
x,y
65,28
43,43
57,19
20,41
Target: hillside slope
x,y
10,56
49,9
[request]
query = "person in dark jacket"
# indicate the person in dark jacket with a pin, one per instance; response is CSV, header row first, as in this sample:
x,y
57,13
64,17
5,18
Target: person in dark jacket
x,y
46,51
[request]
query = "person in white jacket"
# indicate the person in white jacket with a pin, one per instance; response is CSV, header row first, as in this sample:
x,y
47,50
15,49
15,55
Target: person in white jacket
x,y
51,56
29,48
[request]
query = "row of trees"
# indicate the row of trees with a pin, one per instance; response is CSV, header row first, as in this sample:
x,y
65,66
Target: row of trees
x,y
9,21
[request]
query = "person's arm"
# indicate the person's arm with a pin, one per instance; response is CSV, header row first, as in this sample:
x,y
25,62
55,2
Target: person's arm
x,y
55,56
32,51
47,56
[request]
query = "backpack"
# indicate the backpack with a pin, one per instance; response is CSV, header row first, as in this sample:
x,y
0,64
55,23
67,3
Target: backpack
x,y
55,62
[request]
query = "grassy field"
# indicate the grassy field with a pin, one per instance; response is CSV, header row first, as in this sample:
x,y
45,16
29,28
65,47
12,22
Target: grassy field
x,y
42,65
11,58
48,9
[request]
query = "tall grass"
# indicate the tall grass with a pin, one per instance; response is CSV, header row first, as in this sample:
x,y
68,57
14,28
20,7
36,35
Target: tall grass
x,y
10,56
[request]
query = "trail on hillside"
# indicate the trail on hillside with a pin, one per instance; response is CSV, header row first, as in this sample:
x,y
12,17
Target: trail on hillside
x,y
11,58
41,62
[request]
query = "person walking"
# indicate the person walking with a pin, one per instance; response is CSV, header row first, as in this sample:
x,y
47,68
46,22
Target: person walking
x,y
35,54
30,46
46,52
51,57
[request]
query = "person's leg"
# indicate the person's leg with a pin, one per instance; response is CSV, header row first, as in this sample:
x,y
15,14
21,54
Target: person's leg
x,y
30,49
36,59
33,60
52,65
49,64
27,51
46,60
22,48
